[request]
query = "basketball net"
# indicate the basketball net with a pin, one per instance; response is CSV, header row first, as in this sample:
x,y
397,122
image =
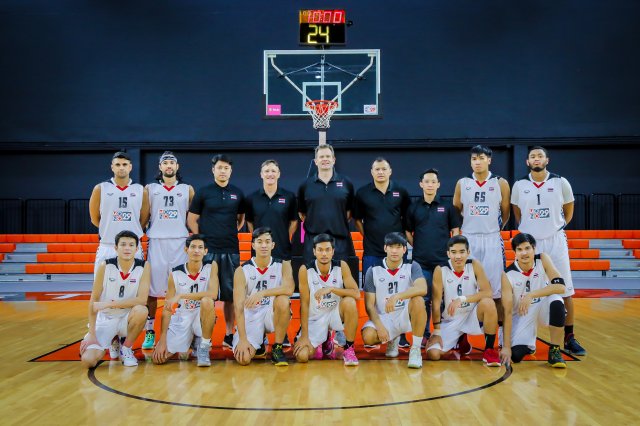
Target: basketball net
x,y
321,112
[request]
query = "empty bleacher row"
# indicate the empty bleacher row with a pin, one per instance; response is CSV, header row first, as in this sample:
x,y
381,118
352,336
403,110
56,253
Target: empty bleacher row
x,y
593,253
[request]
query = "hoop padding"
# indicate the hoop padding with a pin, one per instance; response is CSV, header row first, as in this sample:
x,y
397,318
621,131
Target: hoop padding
x,y
321,112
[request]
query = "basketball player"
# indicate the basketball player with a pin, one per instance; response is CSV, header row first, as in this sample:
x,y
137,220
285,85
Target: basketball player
x,y
117,205
117,304
393,299
483,199
169,201
532,292
466,292
543,206
261,291
194,287
328,295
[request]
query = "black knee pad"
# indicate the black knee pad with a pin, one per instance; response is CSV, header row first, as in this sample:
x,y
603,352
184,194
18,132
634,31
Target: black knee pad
x,y
518,352
556,314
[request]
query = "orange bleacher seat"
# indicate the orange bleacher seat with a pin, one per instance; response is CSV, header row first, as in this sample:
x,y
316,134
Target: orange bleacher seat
x,y
245,255
356,236
636,253
590,265
631,244
244,236
1,257
358,245
359,253
578,244
506,235
66,257
59,268
245,245
7,247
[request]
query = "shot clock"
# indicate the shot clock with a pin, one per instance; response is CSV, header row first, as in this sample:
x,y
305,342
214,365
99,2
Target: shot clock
x,y
320,27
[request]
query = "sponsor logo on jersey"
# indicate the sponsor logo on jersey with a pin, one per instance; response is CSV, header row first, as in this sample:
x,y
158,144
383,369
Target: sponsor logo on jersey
x,y
233,196
467,188
109,194
401,277
253,277
122,216
112,279
203,278
440,209
133,194
526,191
327,304
478,210
179,194
265,301
491,188
339,184
449,280
542,213
535,275
191,304
281,200
519,284
167,214
381,279
466,277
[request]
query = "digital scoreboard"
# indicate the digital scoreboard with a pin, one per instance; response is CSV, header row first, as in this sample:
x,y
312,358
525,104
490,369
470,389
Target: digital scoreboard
x,y
321,27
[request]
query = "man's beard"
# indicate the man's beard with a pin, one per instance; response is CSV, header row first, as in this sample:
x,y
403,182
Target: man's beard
x,y
536,169
167,175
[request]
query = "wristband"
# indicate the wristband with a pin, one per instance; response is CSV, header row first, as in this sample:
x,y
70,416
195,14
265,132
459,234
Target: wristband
x,y
462,299
436,332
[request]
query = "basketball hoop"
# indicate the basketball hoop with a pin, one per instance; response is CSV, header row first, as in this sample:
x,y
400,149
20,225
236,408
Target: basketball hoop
x,y
321,112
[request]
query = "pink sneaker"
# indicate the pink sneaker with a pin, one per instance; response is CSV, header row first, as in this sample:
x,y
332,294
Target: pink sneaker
x,y
464,347
318,353
491,357
349,357
328,348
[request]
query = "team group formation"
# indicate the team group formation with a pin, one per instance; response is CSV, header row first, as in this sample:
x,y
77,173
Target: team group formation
x,y
455,285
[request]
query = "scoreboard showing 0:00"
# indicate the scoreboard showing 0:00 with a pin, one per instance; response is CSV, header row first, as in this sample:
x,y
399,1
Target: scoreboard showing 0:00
x,y
322,27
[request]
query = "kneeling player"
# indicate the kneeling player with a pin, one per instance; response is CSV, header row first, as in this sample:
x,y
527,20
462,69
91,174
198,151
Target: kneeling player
x,y
117,305
194,287
328,295
534,292
467,303
261,290
393,298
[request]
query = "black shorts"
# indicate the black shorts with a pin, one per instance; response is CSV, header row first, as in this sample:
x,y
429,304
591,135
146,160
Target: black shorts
x,y
227,265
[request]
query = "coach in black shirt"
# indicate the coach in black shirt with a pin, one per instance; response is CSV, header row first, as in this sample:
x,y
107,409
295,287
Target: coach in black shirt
x,y
325,202
429,224
217,211
273,207
380,207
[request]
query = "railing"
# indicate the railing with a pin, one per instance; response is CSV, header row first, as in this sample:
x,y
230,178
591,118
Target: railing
x,y
56,216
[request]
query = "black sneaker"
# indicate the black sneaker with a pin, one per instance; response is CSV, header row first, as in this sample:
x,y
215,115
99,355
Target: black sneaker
x,y
261,352
277,355
228,341
403,343
555,358
286,343
572,346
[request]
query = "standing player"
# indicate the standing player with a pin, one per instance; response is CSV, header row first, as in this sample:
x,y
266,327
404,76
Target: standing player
x,y
328,295
261,291
483,200
393,298
543,206
217,211
532,290
169,201
117,304
117,205
466,292
194,287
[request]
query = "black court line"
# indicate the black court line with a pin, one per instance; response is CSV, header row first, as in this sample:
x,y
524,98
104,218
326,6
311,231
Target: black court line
x,y
92,376
56,350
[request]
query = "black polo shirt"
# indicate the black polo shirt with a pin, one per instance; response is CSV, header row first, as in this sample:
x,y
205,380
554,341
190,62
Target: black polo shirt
x,y
380,214
219,208
326,205
276,213
431,225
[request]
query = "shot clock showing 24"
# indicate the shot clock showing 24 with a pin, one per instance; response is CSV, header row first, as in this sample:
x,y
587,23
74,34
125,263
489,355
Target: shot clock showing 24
x,y
322,27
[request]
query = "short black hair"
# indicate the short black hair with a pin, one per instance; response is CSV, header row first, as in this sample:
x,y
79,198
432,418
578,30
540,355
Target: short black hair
x,y
261,231
324,238
481,149
543,149
380,160
194,237
221,157
431,170
457,239
127,234
522,238
121,154
395,238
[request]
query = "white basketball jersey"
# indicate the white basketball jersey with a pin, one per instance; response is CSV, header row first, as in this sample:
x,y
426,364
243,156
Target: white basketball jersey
x,y
186,283
258,279
119,210
481,205
120,285
316,282
540,205
525,282
168,210
454,285
389,282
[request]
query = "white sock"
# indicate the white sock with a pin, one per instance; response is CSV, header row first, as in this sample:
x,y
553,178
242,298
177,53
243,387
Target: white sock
x,y
416,342
205,342
150,323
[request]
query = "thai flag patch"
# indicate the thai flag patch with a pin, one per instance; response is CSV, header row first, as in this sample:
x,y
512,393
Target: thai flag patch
x,y
466,277
281,200
491,188
396,194
233,196
549,189
339,184
440,209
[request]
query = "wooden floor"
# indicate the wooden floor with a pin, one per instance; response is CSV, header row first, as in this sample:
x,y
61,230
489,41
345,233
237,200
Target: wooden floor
x,y
603,387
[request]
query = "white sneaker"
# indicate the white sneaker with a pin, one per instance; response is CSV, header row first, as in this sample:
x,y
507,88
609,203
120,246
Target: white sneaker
x,y
204,360
127,357
114,349
392,348
415,358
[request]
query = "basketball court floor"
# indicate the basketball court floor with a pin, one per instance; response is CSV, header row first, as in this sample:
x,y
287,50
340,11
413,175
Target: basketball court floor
x,y
42,381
